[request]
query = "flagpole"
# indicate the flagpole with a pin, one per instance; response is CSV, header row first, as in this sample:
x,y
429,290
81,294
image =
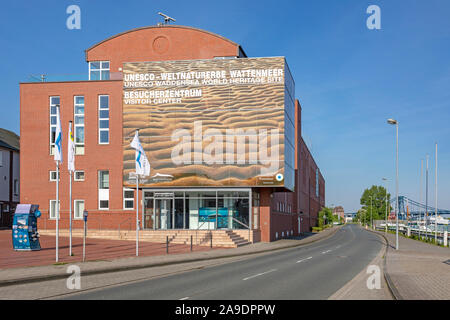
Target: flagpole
x,y
137,215
436,196
71,168
57,209
70,214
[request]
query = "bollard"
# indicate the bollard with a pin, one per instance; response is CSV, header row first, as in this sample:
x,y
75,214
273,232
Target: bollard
x,y
445,238
167,244
191,242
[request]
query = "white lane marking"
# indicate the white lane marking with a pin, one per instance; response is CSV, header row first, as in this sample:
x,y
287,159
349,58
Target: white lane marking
x,y
185,298
338,247
326,251
259,274
304,259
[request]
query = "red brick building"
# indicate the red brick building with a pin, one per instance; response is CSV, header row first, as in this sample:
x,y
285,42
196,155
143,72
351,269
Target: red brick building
x,y
95,107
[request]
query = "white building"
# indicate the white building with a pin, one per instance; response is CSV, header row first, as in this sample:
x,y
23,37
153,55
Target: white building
x,y
9,176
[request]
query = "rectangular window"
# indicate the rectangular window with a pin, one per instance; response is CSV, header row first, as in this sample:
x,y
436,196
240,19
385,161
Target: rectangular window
x,y
78,206
79,176
128,199
99,70
103,179
317,182
54,102
104,204
103,190
52,209
103,119
78,129
1,158
53,176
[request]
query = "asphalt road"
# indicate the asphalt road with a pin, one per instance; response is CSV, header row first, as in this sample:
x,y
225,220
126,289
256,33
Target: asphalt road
x,y
314,271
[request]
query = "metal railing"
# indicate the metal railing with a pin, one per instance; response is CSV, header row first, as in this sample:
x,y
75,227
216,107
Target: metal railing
x,y
245,226
422,234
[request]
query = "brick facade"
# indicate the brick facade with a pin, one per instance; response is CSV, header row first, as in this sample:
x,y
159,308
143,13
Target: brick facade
x,y
144,44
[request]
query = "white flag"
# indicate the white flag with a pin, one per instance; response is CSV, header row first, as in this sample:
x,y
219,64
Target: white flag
x,y
58,138
142,164
70,150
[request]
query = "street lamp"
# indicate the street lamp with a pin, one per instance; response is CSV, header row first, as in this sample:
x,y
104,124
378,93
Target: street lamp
x,y
385,216
371,221
395,122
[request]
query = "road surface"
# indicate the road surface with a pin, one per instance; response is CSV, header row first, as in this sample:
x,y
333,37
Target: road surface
x,y
314,271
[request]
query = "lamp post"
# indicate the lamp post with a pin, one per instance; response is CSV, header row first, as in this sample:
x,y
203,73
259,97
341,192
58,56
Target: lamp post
x,y
386,201
395,122
436,196
371,222
420,211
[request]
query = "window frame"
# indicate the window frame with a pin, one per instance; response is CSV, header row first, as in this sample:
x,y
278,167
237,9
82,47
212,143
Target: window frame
x,y
51,179
75,125
100,70
75,175
128,199
50,210
99,188
102,119
74,209
51,104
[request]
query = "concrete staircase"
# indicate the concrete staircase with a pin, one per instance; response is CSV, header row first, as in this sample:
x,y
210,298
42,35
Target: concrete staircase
x,y
220,238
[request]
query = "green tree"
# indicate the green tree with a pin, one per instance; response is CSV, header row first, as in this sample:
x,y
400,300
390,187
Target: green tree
x,y
373,203
328,213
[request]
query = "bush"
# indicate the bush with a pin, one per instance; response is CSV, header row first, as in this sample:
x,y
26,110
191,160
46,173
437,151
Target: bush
x,y
317,229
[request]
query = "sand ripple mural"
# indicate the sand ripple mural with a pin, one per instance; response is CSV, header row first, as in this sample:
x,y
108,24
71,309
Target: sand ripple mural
x,y
220,122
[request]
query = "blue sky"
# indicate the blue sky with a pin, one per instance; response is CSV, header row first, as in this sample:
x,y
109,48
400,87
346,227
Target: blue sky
x,y
349,79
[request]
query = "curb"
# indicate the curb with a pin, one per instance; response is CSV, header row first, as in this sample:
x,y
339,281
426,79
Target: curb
x,y
11,282
393,290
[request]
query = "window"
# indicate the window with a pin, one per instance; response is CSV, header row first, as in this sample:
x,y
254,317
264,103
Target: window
x,y
103,190
79,176
128,199
103,180
104,204
99,70
16,187
53,176
103,119
79,124
78,206
317,182
1,158
52,209
54,102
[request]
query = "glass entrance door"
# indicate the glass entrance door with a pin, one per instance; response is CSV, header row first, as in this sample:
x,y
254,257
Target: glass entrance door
x,y
164,214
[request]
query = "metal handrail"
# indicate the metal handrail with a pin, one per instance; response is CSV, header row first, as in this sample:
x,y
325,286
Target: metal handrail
x,y
246,226
198,227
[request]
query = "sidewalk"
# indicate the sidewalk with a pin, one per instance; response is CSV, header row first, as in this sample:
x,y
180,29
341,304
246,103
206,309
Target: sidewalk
x,y
114,249
417,271
96,249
